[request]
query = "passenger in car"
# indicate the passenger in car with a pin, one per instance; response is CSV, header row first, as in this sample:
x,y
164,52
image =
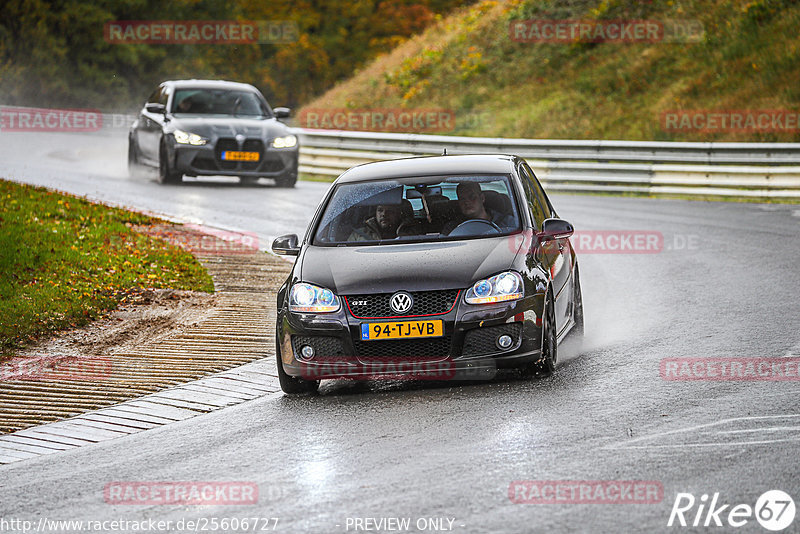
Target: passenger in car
x,y
382,226
471,204
185,105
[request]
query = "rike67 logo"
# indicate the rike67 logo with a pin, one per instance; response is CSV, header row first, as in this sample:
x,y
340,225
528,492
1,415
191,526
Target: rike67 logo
x,y
774,510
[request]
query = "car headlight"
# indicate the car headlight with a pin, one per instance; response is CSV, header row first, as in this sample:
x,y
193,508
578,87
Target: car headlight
x,y
186,138
308,298
499,288
284,142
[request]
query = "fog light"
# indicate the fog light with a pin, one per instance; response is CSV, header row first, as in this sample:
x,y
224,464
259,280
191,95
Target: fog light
x,y
504,341
307,351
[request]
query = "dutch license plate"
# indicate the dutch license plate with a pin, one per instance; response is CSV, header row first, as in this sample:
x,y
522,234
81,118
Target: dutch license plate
x,y
235,155
401,330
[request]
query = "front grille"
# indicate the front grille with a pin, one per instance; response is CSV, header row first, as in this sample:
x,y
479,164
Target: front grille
x,y
425,303
253,145
408,348
224,144
482,340
264,163
325,347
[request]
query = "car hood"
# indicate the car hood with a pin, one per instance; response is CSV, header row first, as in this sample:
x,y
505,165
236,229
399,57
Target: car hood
x,y
215,127
410,266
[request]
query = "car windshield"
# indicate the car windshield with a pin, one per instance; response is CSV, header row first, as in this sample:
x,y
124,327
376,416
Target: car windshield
x,y
222,102
418,209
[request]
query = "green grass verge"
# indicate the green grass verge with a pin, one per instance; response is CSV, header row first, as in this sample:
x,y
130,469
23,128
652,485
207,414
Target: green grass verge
x,y
65,261
747,58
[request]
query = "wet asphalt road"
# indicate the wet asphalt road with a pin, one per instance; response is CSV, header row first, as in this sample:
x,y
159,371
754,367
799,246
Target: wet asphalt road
x,y
724,285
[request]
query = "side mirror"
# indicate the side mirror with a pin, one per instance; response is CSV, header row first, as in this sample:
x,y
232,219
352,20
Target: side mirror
x,y
286,245
153,107
282,113
555,229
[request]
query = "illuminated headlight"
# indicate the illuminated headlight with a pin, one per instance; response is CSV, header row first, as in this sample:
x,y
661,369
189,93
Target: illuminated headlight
x,y
499,288
186,138
284,142
308,298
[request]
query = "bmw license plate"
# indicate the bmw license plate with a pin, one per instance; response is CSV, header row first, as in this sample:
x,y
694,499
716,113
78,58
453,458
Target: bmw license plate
x,y
236,155
401,330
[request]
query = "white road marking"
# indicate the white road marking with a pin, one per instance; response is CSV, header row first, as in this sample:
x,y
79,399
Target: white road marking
x,y
769,429
794,351
713,444
697,434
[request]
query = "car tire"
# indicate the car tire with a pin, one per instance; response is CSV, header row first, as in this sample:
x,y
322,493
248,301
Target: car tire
x,y
546,364
166,175
290,384
287,180
135,167
577,307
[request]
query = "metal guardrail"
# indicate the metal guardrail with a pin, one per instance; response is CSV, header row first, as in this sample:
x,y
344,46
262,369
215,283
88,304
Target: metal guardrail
x,y
745,170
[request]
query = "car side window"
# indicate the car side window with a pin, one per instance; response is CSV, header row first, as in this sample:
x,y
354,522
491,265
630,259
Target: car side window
x,y
540,194
538,210
155,97
163,96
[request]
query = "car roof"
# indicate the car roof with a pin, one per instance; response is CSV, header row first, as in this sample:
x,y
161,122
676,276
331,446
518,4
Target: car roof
x,y
431,166
209,84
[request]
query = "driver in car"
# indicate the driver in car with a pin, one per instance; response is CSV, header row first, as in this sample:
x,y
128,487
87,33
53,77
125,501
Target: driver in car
x,y
471,204
185,105
382,226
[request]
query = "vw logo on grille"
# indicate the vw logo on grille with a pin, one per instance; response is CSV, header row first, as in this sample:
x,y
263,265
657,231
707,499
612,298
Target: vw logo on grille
x,y
239,138
401,302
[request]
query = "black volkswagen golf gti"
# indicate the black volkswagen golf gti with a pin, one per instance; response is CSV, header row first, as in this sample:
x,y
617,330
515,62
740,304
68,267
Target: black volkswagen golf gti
x,y
452,263
212,127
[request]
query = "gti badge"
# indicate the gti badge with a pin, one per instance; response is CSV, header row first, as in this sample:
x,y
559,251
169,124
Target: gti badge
x,y
401,302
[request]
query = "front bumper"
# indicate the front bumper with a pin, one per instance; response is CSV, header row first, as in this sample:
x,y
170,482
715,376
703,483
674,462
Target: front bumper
x,y
466,351
206,160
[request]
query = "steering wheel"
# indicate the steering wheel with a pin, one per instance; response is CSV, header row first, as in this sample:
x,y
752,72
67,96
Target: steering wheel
x,y
407,228
463,228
